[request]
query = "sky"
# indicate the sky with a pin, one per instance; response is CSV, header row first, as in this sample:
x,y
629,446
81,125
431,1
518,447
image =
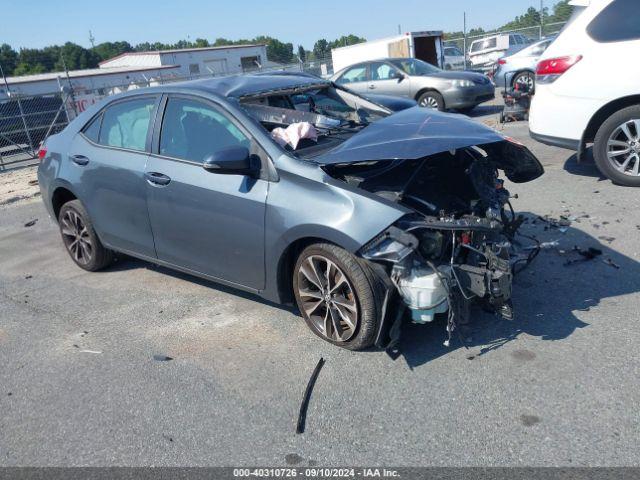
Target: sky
x,y
38,23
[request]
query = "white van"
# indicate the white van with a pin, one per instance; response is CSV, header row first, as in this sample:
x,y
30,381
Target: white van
x,y
588,87
484,53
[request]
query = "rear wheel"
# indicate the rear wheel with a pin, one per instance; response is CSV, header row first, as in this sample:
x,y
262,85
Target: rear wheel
x,y
337,296
616,148
80,239
432,100
524,79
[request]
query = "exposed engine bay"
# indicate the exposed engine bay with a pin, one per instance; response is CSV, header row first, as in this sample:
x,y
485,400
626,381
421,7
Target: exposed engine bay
x,y
458,245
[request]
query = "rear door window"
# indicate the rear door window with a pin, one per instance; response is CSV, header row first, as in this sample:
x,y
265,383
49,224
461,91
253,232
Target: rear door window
x,y
126,124
618,22
193,130
354,74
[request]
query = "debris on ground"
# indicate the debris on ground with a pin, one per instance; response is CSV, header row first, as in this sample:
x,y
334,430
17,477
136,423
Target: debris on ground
x,y
90,351
585,255
561,224
27,277
162,358
31,223
608,261
544,245
302,415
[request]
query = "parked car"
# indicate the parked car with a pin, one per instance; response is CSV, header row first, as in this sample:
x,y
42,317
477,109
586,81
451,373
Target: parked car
x,y
368,213
412,78
485,52
588,90
520,68
453,58
301,102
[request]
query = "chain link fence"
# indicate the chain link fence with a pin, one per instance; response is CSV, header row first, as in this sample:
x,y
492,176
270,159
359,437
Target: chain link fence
x,y
520,37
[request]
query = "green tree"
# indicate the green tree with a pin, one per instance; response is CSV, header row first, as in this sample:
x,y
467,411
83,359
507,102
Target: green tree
x,y
277,51
27,69
561,11
107,50
302,53
8,59
321,49
346,40
75,57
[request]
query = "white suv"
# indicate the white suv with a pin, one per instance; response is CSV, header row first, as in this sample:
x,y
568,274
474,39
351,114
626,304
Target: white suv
x,y
588,87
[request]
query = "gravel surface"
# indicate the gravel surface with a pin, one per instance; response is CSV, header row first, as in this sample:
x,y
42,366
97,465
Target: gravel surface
x,y
85,379
18,184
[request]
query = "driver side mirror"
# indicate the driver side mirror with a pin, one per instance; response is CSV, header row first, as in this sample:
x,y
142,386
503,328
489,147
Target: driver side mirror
x,y
231,161
398,75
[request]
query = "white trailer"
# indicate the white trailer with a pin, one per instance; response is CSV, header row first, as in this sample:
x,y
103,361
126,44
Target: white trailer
x,y
425,46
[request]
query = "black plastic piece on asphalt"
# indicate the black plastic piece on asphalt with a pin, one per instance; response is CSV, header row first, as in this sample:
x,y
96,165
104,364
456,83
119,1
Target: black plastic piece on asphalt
x,y
162,358
302,416
31,223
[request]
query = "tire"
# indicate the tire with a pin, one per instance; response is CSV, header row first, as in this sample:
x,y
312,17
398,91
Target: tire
x,y
361,290
524,77
431,100
80,239
610,130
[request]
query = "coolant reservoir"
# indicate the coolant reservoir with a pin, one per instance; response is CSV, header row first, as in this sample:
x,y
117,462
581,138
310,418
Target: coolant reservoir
x,y
423,292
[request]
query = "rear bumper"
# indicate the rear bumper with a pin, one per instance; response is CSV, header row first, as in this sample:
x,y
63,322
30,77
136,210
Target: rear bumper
x,y
568,143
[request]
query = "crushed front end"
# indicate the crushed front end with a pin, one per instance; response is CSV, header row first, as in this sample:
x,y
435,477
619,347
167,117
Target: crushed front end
x,y
457,245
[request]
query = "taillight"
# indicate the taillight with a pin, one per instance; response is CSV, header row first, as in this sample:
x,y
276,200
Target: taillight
x,y
42,153
548,71
502,61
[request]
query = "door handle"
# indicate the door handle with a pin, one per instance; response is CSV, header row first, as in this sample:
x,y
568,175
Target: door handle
x,y
372,86
159,179
79,160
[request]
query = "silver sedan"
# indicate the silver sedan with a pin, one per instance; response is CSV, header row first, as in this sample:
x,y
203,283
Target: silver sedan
x,y
413,78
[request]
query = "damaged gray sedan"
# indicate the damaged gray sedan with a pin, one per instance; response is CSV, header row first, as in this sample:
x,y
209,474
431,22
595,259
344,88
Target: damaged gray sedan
x,y
299,191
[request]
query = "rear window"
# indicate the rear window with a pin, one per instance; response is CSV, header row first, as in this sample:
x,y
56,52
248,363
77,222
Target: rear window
x,y
618,22
485,44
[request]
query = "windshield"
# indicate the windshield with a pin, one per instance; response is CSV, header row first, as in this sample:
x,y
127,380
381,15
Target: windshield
x,y
412,66
452,52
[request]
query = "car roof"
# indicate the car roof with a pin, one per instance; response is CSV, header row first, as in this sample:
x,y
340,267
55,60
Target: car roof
x,y
237,86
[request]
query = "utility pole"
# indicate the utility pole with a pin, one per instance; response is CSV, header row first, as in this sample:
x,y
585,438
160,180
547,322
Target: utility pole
x,y
464,39
541,19
399,30
92,39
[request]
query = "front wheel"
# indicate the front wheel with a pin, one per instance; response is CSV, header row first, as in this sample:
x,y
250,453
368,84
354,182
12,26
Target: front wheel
x,y
616,148
80,239
432,100
337,296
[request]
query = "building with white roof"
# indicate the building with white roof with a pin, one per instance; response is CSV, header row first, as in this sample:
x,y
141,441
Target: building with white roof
x,y
223,60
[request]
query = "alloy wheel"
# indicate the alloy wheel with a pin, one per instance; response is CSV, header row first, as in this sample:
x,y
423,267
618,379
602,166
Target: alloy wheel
x,y
525,79
76,237
429,102
327,298
623,148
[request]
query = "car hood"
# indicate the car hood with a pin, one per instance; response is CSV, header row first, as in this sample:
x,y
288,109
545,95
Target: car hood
x,y
418,132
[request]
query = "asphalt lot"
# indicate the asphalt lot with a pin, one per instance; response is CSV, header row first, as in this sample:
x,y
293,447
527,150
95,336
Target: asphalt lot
x,y
558,386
